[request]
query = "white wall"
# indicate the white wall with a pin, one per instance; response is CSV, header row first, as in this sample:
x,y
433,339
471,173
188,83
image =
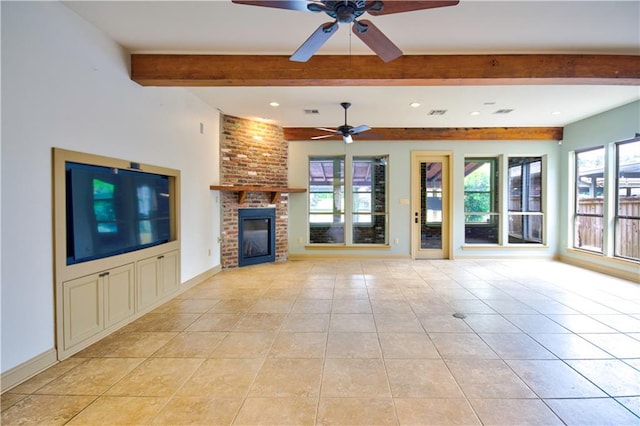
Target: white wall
x,y
64,84
603,129
399,168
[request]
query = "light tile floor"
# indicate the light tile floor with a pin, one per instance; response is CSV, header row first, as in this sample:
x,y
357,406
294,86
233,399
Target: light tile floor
x,y
366,342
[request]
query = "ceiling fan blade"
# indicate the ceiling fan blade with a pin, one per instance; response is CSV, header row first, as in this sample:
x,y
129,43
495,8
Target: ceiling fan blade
x,y
300,5
398,6
376,40
322,137
359,129
325,129
314,42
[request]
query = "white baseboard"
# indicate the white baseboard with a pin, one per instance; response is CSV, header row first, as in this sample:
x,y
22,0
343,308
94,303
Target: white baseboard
x,y
633,276
27,369
200,278
345,255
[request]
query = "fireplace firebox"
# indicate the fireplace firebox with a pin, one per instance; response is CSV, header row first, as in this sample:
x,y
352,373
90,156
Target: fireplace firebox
x,y
256,236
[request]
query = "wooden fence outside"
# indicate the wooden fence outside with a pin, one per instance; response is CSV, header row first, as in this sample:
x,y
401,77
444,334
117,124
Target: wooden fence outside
x,y
589,229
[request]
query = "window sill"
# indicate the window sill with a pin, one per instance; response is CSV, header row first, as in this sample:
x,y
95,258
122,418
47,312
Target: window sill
x,y
595,255
498,246
346,247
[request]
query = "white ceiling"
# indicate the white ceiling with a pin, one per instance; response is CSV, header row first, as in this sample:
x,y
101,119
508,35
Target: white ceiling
x,y
472,27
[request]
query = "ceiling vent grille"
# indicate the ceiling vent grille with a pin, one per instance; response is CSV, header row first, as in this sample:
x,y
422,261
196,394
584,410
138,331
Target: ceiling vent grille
x,y
311,111
437,112
503,111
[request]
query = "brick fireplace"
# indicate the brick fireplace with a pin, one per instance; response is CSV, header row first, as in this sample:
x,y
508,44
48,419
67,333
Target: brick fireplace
x,y
252,153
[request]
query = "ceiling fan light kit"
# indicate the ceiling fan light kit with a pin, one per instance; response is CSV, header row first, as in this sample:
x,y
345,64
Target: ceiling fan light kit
x,y
347,12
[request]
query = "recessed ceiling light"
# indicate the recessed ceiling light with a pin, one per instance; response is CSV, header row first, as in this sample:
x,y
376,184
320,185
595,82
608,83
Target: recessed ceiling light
x,y
257,137
475,113
556,113
414,104
274,104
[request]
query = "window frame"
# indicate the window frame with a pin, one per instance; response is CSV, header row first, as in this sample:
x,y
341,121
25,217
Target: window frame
x,y
372,206
338,186
348,214
524,211
616,211
576,199
494,195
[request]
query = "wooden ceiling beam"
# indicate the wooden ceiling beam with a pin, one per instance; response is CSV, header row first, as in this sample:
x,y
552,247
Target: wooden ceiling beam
x,y
368,70
436,134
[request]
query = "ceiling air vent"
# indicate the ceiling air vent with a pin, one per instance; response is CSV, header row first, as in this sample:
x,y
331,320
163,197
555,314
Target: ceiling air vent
x,y
503,111
437,112
311,111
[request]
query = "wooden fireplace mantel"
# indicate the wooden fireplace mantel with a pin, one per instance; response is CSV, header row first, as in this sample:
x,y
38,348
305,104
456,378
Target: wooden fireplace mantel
x,y
243,189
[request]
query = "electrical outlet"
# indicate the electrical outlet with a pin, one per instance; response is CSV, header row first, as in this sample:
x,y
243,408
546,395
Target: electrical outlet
x,y
209,252
397,241
299,240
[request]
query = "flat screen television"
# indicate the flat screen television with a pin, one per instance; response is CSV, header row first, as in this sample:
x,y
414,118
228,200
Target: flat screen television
x,y
111,211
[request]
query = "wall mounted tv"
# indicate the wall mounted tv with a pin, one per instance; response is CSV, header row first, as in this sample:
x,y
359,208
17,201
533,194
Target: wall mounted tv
x,y
111,211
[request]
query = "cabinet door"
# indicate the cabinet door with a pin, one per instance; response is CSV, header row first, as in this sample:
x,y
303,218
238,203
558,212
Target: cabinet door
x,y
170,272
148,282
119,294
83,309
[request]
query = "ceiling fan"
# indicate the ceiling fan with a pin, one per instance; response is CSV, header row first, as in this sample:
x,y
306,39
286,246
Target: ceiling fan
x,y
346,12
345,130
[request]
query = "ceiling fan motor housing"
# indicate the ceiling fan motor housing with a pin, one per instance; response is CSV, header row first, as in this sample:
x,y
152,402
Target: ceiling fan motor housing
x,y
345,11
344,130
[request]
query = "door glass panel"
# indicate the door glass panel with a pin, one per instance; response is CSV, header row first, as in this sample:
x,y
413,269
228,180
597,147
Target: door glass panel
x,y
431,205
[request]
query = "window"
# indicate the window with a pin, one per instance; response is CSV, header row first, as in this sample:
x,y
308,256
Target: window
x,y
369,196
365,219
525,200
589,199
326,200
627,216
481,214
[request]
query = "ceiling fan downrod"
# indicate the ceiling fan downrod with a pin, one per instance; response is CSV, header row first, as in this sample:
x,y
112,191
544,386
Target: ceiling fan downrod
x,y
346,106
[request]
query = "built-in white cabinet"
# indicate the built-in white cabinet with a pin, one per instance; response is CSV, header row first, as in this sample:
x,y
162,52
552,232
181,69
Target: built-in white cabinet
x,y
148,290
97,304
157,277
170,272
82,308
119,295
97,301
